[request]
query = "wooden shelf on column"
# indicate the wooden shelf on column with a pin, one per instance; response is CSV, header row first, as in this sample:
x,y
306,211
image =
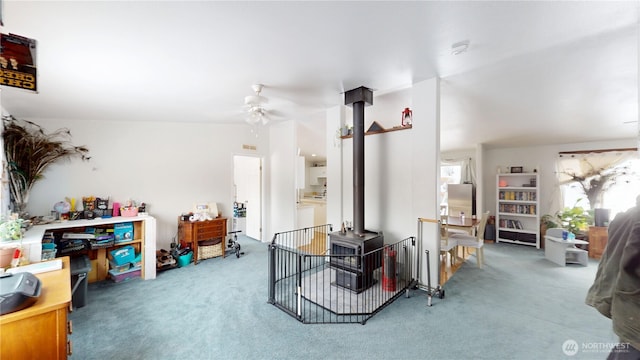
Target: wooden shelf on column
x,y
371,132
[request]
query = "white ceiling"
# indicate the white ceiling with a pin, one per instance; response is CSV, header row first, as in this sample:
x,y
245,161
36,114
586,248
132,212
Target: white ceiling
x,y
535,73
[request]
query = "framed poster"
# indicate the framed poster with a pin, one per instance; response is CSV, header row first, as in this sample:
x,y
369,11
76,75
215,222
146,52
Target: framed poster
x,y
516,169
18,62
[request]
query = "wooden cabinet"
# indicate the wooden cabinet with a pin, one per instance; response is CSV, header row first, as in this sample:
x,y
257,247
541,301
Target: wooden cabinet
x,y
320,214
598,237
194,232
40,331
517,215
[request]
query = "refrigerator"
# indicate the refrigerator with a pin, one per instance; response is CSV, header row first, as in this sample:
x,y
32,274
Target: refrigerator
x,y
461,199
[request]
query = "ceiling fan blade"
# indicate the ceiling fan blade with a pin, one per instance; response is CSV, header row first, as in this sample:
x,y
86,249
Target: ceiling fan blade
x,y
277,113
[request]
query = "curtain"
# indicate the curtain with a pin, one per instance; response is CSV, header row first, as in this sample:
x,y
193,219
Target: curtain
x,y
467,169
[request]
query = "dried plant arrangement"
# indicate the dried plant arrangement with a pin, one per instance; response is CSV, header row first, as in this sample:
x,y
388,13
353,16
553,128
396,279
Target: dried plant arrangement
x,y
29,151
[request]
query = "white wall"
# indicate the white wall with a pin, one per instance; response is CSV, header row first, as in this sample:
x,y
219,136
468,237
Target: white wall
x,y
170,166
335,118
282,189
425,164
543,159
456,155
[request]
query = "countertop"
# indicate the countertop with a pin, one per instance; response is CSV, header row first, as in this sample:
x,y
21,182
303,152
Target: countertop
x,y
312,200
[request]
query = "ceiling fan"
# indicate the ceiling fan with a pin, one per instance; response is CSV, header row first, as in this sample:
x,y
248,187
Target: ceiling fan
x,y
256,112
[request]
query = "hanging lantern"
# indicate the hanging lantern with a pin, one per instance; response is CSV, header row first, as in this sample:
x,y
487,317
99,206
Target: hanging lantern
x,y
407,117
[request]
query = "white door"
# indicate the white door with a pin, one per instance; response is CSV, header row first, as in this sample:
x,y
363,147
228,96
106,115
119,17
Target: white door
x,y
248,176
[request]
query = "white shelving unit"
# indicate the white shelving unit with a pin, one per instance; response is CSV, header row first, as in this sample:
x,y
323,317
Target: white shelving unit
x,y
517,209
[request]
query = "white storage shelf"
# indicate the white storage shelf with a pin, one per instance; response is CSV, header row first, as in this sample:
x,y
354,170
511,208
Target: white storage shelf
x,y
32,239
517,214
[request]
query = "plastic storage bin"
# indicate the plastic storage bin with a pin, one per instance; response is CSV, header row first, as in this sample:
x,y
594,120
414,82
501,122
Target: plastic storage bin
x,y
48,251
184,260
123,232
119,268
123,255
125,275
80,267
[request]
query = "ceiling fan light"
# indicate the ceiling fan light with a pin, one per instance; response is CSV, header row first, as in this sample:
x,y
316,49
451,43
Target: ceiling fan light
x,y
256,113
253,118
255,100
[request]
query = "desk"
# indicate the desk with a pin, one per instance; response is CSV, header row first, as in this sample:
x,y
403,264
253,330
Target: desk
x,y
561,251
461,223
40,331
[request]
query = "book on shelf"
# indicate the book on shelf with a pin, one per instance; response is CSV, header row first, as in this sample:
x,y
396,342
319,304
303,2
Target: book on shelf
x,y
511,224
78,236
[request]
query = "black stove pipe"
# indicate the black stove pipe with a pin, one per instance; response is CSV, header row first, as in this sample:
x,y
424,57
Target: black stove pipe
x,y
357,98
358,168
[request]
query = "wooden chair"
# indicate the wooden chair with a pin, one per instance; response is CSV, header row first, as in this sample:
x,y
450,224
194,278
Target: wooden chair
x,y
476,242
448,246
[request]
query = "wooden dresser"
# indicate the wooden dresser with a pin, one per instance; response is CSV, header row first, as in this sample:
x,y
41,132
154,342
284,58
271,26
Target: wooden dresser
x,y
194,232
598,237
40,331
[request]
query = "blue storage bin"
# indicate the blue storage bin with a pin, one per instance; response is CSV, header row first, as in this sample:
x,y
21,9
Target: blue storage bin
x,y
123,232
123,255
137,261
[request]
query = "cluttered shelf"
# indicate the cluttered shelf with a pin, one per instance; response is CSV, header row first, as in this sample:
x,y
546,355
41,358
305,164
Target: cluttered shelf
x,y
375,128
74,237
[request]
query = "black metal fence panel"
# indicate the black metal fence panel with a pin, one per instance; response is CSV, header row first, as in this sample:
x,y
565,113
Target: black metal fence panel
x,y
305,283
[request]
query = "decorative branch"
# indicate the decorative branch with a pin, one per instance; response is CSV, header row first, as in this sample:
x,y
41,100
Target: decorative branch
x,y
29,151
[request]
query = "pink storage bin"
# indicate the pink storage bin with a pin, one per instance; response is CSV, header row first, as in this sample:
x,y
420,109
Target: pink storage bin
x,y
129,212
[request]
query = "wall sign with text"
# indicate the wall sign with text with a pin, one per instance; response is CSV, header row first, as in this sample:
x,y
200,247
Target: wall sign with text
x,y
18,62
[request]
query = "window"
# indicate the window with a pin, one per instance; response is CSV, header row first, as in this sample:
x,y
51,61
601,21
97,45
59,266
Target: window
x,y
619,192
622,196
449,174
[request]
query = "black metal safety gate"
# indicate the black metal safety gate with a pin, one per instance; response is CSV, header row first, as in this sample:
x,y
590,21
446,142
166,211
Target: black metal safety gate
x,y
302,279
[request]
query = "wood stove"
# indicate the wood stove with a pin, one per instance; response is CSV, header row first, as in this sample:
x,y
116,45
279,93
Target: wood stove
x,y
354,258
354,254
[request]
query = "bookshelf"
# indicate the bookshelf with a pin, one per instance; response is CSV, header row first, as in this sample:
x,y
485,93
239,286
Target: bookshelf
x,y
517,209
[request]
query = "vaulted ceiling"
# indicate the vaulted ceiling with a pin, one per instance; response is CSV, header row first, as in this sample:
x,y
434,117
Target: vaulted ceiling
x,y
538,72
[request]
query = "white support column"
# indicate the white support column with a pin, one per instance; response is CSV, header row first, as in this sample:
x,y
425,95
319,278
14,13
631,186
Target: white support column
x,y
426,172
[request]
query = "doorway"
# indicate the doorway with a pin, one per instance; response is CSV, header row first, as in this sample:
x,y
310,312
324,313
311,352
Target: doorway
x,y
247,179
